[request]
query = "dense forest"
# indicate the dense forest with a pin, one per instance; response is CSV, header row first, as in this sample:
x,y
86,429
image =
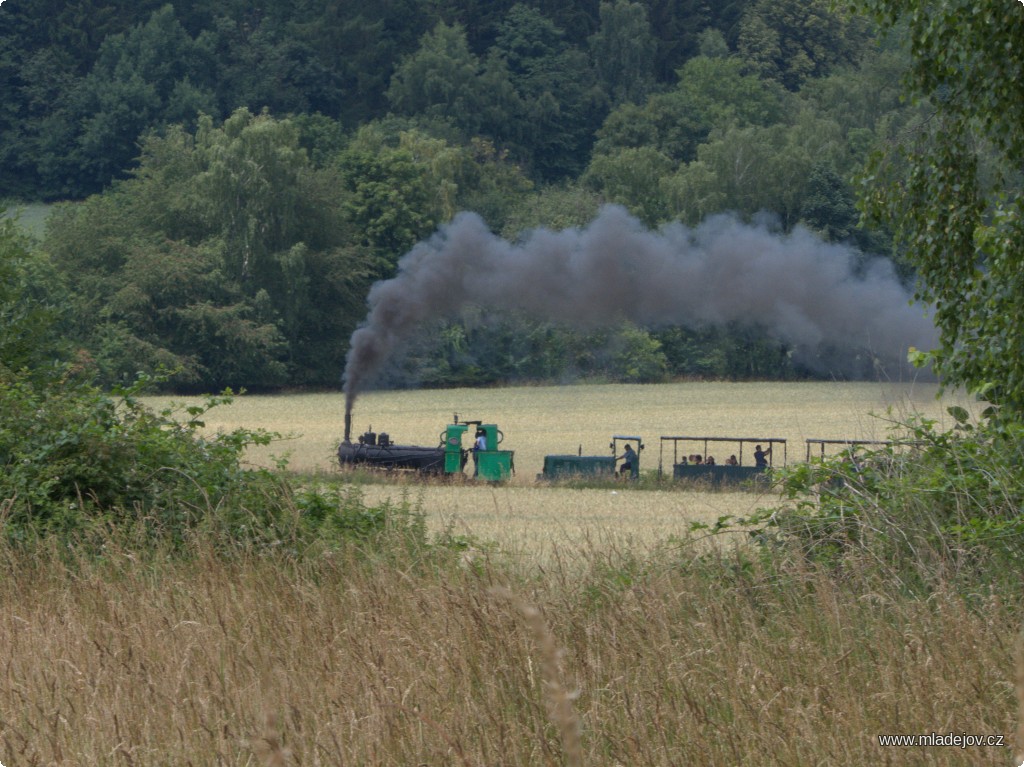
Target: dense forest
x,y
232,178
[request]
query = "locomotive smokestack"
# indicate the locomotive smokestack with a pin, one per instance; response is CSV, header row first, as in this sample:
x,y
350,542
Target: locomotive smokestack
x,y
807,293
348,424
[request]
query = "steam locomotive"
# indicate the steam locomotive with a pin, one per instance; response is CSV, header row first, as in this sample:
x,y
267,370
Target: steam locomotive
x,y
449,457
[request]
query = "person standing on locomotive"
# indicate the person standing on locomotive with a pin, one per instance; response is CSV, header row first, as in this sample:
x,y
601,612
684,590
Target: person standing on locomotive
x,y
480,443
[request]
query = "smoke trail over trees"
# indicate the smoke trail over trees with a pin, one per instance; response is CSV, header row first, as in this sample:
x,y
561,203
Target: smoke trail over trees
x,y
805,292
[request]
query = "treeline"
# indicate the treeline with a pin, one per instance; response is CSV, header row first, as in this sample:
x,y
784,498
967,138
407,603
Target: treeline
x,y
241,175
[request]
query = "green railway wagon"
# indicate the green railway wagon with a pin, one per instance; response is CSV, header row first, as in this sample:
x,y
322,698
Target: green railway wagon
x,y
579,465
719,475
561,466
691,459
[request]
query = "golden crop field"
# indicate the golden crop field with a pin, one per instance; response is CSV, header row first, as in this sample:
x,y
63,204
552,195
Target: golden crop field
x,y
542,420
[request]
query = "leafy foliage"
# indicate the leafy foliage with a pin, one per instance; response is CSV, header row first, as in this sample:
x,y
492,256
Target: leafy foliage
x,y
86,469
332,516
951,190
30,298
222,258
632,177
445,81
70,452
711,93
793,40
930,501
253,171
562,104
827,206
755,168
623,51
478,350
388,199
83,466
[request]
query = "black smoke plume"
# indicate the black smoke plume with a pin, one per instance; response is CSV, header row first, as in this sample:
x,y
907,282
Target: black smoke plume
x,y
806,292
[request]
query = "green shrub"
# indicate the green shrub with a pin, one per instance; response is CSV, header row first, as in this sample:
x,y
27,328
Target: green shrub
x,y
334,514
931,501
70,452
94,470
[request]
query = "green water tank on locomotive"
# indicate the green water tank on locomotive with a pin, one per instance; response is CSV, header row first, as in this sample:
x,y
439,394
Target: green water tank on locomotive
x,y
454,457
492,464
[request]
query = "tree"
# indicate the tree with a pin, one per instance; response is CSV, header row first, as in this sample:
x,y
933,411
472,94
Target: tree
x,y
633,177
260,66
402,182
143,303
144,77
952,191
862,97
712,44
224,256
827,206
624,50
440,80
790,41
444,82
35,124
360,43
676,25
490,184
753,169
711,93
388,201
558,87
249,189
30,300
554,207
637,356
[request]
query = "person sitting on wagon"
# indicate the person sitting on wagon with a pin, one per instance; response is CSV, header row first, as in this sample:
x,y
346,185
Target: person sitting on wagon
x,y
731,461
629,461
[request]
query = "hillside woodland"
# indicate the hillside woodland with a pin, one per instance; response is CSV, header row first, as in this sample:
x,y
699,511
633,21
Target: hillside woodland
x,y
232,178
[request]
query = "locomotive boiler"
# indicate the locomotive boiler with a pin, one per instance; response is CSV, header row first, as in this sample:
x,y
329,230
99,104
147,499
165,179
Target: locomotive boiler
x,y
378,451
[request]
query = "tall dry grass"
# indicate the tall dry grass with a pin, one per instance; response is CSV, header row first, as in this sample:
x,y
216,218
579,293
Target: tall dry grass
x,y
653,660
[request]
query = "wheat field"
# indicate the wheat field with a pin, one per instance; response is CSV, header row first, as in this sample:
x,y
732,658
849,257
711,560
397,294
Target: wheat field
x,y
541,420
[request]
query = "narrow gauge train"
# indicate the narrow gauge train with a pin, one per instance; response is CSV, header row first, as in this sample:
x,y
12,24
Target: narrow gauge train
x,y
681,458
491,463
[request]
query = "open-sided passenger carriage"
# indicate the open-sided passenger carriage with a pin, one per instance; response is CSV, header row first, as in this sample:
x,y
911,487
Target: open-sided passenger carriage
x,y
746,468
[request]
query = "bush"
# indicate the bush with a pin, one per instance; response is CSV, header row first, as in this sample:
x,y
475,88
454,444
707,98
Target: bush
x,y
70,453
31,300
337,514
95,470
932,502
